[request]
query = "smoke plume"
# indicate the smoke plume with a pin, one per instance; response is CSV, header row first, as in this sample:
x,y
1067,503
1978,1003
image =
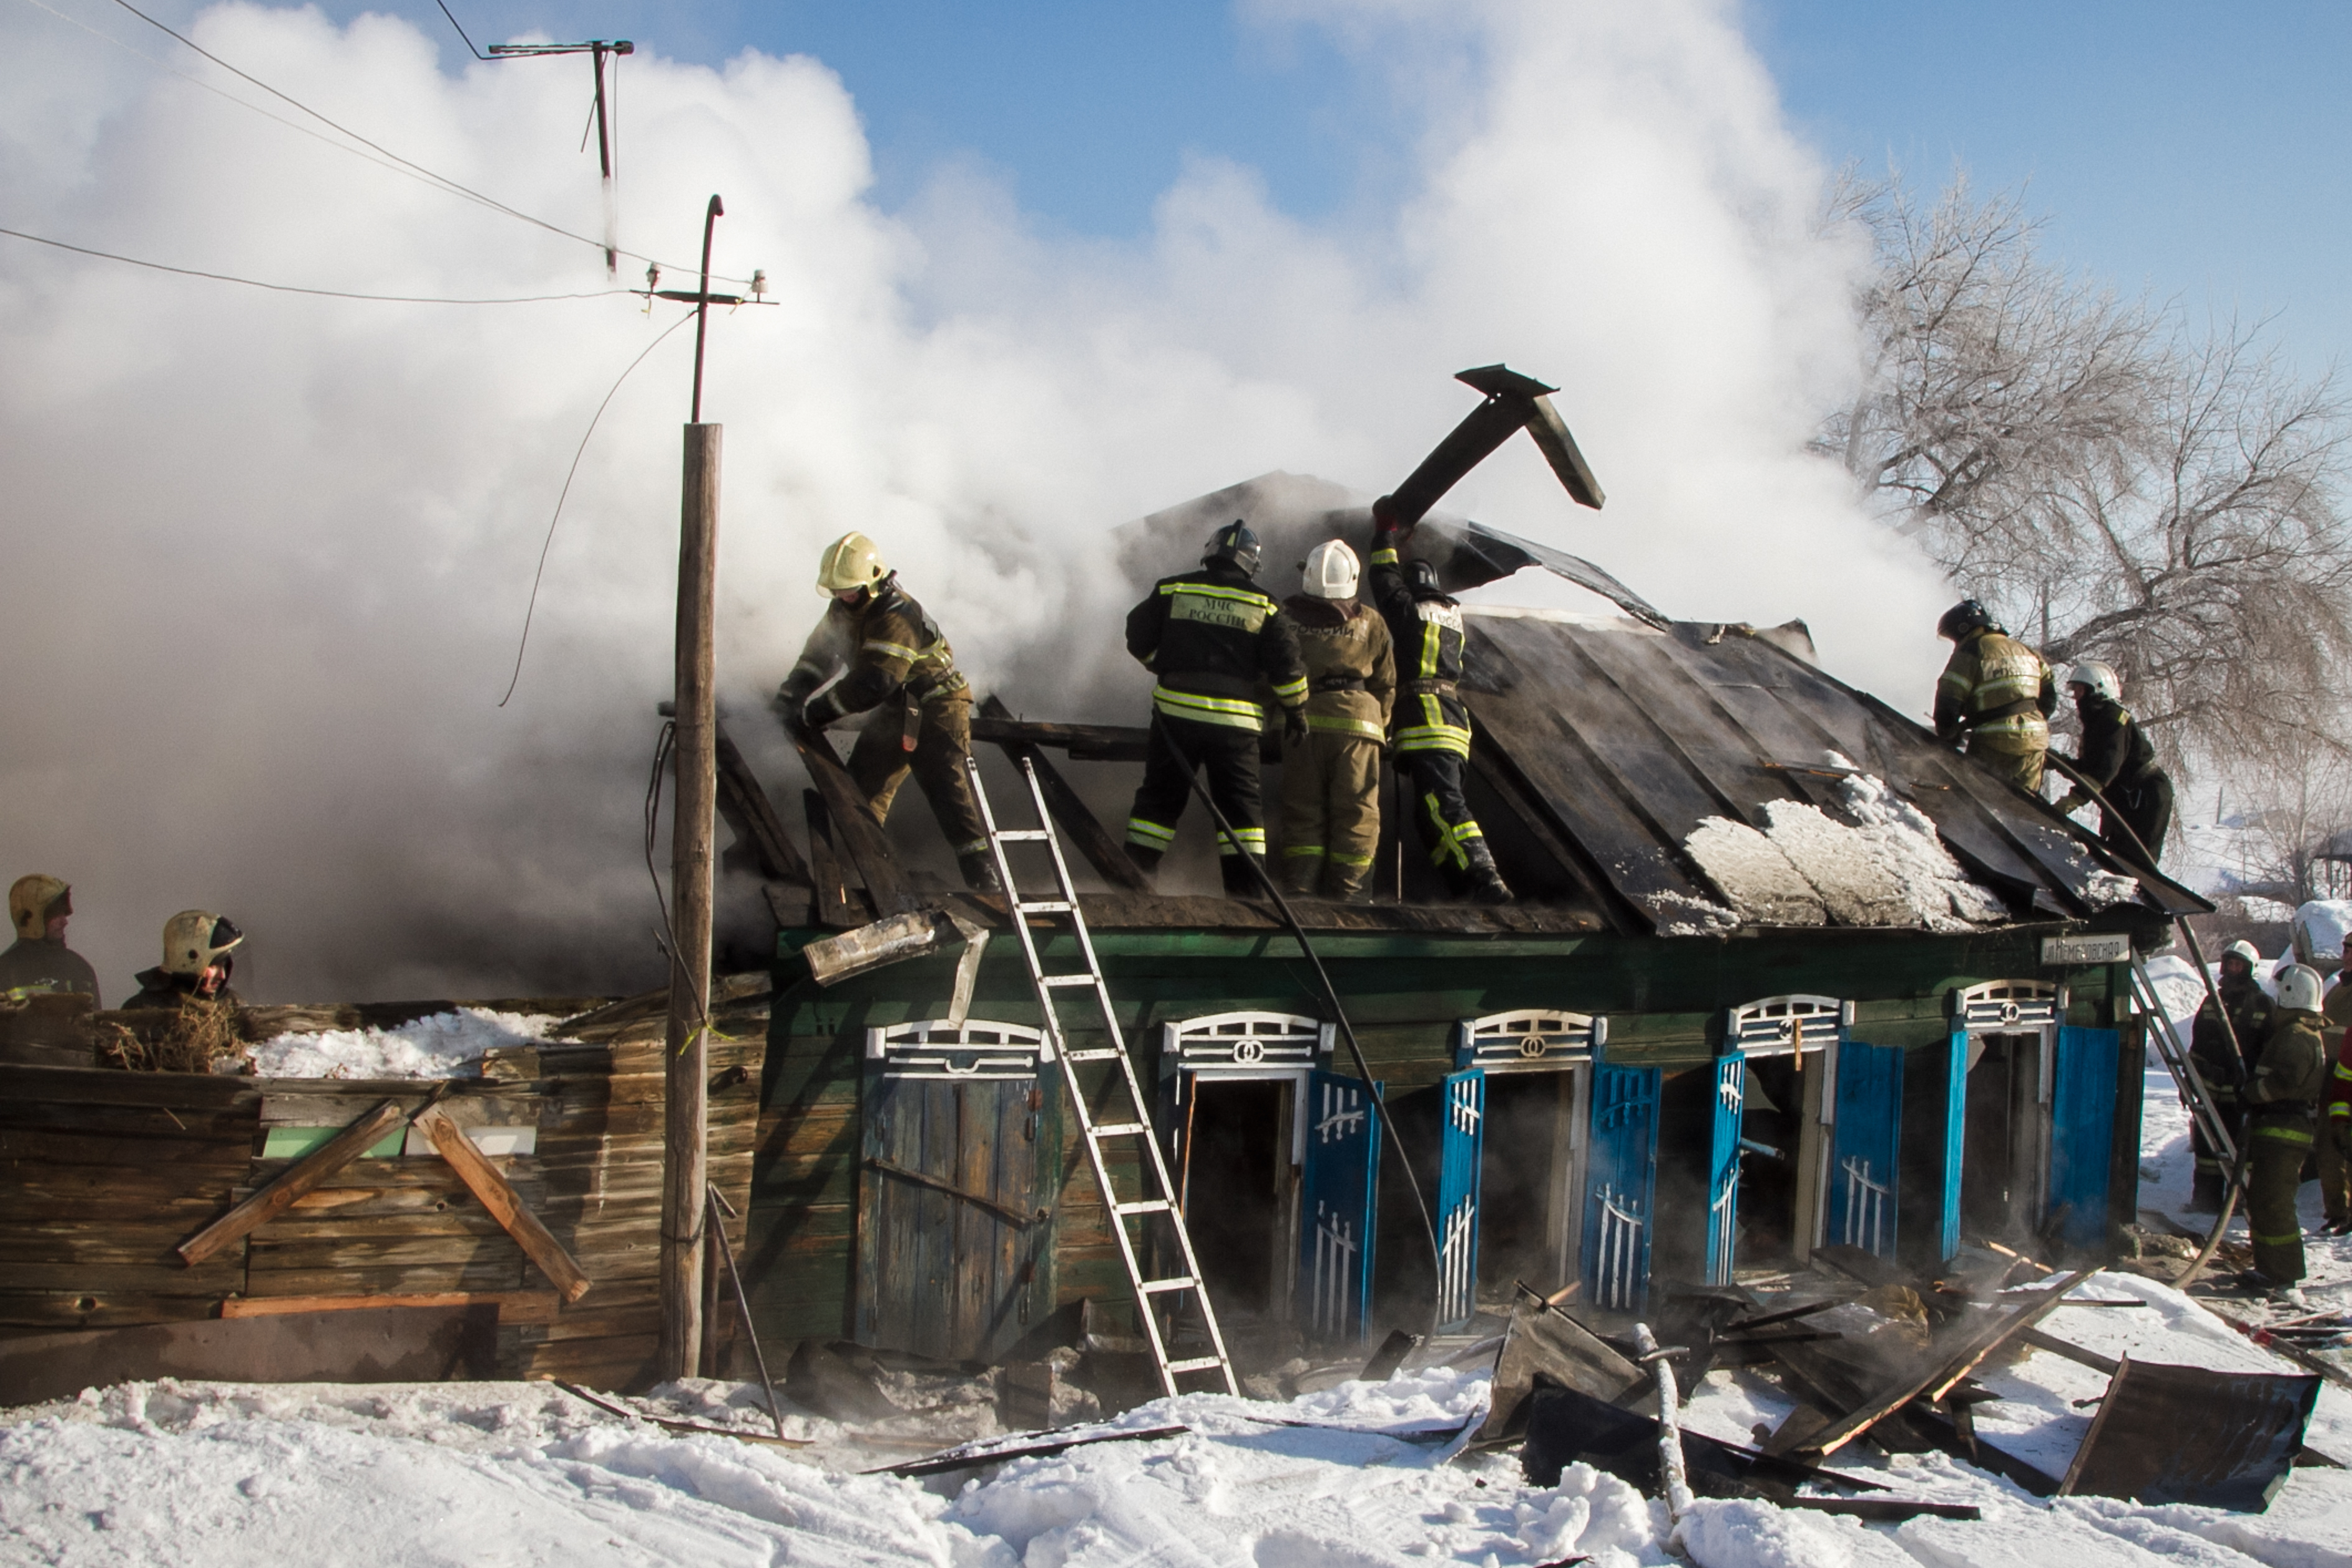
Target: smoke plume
x,y
268,554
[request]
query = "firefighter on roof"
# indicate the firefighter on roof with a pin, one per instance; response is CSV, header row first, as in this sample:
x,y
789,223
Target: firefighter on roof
x,y
894,662
1996,695
2119,761
39,960
1212,640
1431,727
1331,775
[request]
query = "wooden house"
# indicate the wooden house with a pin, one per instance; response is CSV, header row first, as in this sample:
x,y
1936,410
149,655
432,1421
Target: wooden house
x,y
1785,971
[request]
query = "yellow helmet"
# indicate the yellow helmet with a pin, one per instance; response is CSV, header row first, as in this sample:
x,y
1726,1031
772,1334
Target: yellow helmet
x,y
33,902
849,561
195,940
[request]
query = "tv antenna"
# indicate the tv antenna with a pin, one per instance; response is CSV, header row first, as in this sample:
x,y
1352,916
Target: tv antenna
x,y
607,109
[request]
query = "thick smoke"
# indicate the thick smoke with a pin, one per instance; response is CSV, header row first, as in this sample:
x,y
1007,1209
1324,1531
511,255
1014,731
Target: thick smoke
x,y
267,555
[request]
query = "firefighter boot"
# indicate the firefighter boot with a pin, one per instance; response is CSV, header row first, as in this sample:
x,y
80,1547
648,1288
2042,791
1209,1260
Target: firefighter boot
x,y
2205,1196
1240,876
1486,884
979,872
1146,860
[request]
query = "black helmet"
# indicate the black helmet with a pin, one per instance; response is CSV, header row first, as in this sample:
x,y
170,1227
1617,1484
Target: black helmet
x,y
1421,576
1233,543
1962,619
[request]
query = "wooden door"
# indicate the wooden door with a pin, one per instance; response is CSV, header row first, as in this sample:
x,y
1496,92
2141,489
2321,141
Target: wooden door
x,y
1867,1142
954,1236
2081,1133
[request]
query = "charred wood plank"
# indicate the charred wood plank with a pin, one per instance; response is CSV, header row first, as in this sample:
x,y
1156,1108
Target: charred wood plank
x,y
1085,742
835,905
744,802
1102,851
279,1197
857,833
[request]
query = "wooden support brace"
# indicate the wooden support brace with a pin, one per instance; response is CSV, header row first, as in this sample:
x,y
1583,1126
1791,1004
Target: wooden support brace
x,y
1102,851
514,1306
304,1175
504,1203
744,802
855,830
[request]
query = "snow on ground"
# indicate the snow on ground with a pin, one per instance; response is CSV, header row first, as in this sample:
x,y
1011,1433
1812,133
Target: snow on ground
x,y
445,1045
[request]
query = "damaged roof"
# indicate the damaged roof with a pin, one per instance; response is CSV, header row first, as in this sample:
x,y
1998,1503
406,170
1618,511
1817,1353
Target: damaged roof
x,y
1690,777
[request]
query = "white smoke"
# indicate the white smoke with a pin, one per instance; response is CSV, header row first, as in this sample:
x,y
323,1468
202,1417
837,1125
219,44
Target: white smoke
x,y
266,555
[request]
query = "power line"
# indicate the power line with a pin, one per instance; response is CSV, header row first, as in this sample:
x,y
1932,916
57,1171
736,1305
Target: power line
x,y
453,186
297,289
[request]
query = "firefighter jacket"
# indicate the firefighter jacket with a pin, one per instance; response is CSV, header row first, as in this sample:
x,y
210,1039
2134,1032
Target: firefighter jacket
x,y
2291,1077
1998,692
2224,1069
2338,1007
1210,637
1350,670
37,965
158,988
2116,753
886,643
1428,631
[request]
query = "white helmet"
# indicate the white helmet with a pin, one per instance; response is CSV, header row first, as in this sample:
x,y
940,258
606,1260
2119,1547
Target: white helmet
x,y
2100,677
2298,988
2245,950
1329,571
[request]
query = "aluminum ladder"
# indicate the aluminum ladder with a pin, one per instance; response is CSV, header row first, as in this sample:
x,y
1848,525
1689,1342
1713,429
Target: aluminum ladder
x,y
2185,1075
1158,1198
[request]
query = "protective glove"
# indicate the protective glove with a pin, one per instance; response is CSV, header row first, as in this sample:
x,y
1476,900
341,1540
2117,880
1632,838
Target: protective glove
x,y
1388,533
1294,726
2073,801
792,709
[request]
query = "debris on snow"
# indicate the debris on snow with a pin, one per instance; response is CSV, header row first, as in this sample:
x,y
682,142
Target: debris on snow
x,y
445,1045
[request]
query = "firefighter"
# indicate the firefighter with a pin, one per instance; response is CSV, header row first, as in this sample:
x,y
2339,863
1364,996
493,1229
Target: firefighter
x,y
1996,696
39,960
2335,1136
896,664
2119,761
197,963
2225,1069
1430,727
1212,640
2282,1099
1331,775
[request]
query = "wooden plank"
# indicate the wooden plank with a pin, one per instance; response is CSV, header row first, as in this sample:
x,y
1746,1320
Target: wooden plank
x,y
25,1310
744,802
514,1306
207,1093
1103,852
502,1201
489,1273
834,905
858,837
308,1172
1085,743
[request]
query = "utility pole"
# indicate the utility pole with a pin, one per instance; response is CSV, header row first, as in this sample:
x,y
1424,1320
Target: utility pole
x,y
687,1076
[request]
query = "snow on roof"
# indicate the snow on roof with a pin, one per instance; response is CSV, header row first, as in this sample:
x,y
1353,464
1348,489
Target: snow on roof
x,y
445,1045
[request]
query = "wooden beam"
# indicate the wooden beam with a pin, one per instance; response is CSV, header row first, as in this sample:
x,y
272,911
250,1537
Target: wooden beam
x,y
1085,742
855,833
305,1174
514,1306
836,906
2042,1341
744,802
506,1205
1102,851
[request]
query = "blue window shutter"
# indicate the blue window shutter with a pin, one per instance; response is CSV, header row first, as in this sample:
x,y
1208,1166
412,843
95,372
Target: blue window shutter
x,y
2082,1132
1461,1150
1723,1168
1867,1144
1955,1125
1621,1186
1335,1239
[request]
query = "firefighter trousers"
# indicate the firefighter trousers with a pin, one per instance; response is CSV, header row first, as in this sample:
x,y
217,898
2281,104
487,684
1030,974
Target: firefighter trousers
x,y
2335,1168
1330,813
2210,1182
879,762
2146,808
2281,1146
1440,814
2021,768
1229,752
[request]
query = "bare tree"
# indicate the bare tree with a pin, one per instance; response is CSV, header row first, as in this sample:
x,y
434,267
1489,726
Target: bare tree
x,y
2295,788
2111,483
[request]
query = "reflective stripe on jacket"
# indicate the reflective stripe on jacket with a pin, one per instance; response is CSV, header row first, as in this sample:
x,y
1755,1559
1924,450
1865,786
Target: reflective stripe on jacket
x,y
1213,638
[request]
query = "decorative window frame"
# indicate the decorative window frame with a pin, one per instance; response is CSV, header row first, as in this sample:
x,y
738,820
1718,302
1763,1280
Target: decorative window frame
x,y
1529,1040
972,1050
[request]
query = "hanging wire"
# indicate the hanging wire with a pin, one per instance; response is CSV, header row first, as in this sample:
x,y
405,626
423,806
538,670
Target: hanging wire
x,y
530,608
442,181
298,289
665,745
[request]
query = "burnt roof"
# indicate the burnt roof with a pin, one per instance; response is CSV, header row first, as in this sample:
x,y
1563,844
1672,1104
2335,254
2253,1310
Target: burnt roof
x,y
1636,752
